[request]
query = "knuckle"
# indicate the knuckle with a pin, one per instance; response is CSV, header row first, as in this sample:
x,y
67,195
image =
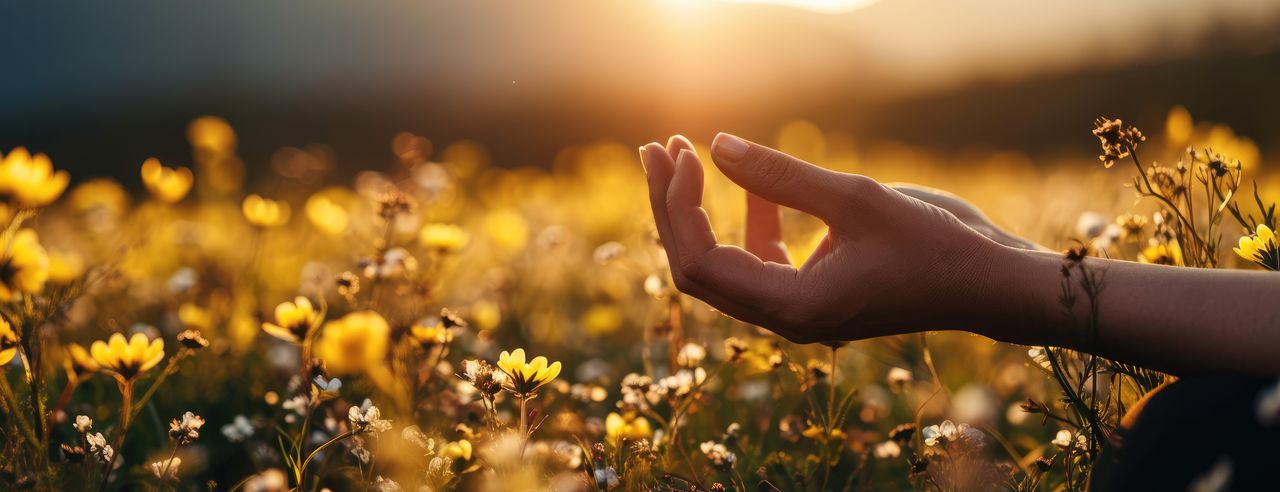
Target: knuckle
x,y
776,170
690,267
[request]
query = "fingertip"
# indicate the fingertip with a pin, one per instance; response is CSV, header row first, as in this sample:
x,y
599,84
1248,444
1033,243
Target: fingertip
x,y
729,147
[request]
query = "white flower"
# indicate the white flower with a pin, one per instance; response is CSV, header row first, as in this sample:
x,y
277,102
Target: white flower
x,y
367,418
608,252
1269,405
1216,479
639,392
83,424
1065,439
326,389
166,469
682,382
98,446
1090,225
238,430
887,449
414,435
186,430
691,355
718,455
1037,354
947,431
607,478
898,378
297,404
385,485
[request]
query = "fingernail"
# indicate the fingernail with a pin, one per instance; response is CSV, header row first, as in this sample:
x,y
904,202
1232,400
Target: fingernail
x,y
729,147
644,158
685,154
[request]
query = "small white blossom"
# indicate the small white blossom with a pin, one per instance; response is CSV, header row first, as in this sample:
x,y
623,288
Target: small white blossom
x,y
83,424
898,378
718,455
186,430
887,449
367,418
166,469
691,355
947,431
238,430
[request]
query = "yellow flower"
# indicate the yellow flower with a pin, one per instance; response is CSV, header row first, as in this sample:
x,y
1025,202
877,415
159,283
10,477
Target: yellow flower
x,y
445,238
101,193
436,334
167,184
460,449
24,266
211,134
31,180
1162,254
353,342
1260,248
526,378
128,359
294,320
8,342
265,212
630,427
327,215
65,266
815,432
79,361
194,316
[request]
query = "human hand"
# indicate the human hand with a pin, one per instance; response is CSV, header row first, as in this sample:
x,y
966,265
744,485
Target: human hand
x,y
967,213
890,263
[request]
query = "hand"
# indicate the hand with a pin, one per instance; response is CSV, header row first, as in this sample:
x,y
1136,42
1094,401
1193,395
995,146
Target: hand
x,y
967,213
890,263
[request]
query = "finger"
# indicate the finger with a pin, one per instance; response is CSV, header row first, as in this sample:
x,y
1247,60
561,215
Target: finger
x,y
785,180
659,168
740,277
677,143
764,230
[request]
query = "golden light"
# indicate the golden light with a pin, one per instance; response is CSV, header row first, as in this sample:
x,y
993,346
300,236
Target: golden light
x,y
823,6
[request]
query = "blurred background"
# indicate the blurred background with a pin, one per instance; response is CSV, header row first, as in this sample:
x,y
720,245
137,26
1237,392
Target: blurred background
x,y
102,86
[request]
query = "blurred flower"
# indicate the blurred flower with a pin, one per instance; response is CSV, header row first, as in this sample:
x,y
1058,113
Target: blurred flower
x,y
294,320
431,335
79,362
271,480
128,359
30,181
166,469
607,478
445,238
691,355
817,432
887,449
187,430
169,185
325,389
211,134
265,212
483,376
638,392
192,339
608,252
601,319
1261,248
354,342
682,382
24,266
735,348
524,379
719,455
1065,439
8,342
1090,225
1162,254
898,379
367,418
327,215
627,426
1269,405
394,263
238,430
458,450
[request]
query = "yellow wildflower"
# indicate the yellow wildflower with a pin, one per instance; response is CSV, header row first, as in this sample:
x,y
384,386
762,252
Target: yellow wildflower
x,y
816,432
265,212
1260,248
211,134
445,238
430,335
1162,254
327,215
194,316
458,450
294,320
24,266
128,359
629,426
79,362
167,184
525,378
30,180
101,193
65,266
354,342
8,342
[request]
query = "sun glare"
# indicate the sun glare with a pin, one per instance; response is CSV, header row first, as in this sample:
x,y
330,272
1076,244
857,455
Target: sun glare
x,y
824,6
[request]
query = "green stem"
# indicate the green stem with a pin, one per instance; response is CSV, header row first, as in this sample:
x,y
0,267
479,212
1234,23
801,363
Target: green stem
x,y
302,471
12,401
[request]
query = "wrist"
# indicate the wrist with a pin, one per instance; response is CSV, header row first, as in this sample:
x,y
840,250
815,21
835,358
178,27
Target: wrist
x,y
1016,299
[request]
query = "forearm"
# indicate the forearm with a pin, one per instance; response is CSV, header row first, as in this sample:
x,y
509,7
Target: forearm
x,y
1181,320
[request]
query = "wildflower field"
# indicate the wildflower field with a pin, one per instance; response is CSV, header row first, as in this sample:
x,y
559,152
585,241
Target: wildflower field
x,y
438,323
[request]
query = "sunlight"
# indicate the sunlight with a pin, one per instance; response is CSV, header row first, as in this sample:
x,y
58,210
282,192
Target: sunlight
x,y
823,6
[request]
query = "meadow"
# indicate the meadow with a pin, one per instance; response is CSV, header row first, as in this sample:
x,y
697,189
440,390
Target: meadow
x,y
438,323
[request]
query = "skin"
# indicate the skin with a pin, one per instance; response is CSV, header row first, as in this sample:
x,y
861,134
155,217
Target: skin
x,y
903,259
